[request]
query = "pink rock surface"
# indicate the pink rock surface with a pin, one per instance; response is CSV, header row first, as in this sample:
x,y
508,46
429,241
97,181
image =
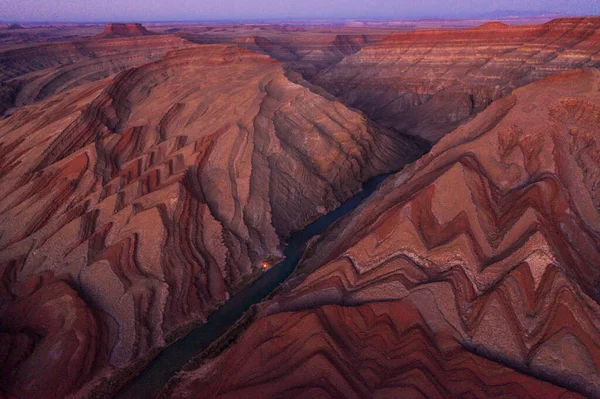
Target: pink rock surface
x,y
482,257
125,30
153,196
426,82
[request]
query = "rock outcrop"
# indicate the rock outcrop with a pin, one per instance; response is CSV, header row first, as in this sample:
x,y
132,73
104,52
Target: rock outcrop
x,y
133,207
474,272
426,82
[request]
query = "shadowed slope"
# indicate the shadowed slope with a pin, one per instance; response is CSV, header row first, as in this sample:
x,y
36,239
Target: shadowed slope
x,y
309,53
491,242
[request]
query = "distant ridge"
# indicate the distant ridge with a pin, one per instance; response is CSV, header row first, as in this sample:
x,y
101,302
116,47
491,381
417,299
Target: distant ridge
x,y
493,25
501,14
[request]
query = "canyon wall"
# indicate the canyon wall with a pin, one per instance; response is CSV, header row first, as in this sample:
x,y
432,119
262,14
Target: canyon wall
x,y
134,206
145,180
471,273
426,82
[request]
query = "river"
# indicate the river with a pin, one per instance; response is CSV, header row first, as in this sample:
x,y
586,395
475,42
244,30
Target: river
x,y
151,380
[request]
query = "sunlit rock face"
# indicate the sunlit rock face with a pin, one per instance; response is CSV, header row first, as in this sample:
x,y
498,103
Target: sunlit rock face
x,y
138,204
471,273
426,82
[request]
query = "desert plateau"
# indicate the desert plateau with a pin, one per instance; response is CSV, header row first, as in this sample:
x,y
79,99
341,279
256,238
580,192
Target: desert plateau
x,y
318,208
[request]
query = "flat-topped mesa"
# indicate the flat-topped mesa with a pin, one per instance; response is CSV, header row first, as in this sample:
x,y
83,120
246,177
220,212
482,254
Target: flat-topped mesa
x,y
493,25
125,30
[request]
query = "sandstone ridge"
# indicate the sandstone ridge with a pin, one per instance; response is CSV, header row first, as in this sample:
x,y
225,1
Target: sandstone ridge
x,y
473,272
136,205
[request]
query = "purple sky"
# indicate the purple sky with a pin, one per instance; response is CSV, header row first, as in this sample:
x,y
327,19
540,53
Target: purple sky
x,y
175,10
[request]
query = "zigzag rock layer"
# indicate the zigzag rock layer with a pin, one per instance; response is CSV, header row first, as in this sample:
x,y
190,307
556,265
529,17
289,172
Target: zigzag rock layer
x,y
471,273
134,206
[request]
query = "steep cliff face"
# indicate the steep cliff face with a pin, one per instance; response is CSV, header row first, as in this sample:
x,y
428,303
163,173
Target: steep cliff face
x,y
474,272
136,205
35,72
427,82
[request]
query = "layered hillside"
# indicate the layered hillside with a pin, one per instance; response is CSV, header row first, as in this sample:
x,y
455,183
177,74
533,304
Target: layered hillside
x,y
426,82
32,73
133,207
474,272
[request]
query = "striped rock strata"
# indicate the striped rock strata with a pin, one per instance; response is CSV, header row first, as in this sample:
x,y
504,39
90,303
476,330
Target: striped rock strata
x,y
134,207
473,272
426,82
30,73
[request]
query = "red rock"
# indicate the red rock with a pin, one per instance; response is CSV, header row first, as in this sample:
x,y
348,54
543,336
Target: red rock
x,y
308,54
124,30
485,250
50,341
157,194
381,350
427,82
145,180
34,72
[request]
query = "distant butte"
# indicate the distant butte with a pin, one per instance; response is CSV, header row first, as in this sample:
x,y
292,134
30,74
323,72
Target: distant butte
x,y
125,30
493,25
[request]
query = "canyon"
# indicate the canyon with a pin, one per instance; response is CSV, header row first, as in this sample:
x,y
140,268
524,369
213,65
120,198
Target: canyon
x,y
472,271
149,176
426,82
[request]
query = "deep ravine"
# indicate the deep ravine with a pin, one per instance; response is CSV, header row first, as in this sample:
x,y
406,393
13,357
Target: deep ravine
x,y
151,380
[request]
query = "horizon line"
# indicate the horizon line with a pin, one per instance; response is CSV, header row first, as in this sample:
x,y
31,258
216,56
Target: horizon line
x,y
299,19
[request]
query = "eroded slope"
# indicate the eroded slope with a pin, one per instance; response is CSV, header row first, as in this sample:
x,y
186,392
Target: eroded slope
x,y
135,206
471,273
30,73
427,82
310,53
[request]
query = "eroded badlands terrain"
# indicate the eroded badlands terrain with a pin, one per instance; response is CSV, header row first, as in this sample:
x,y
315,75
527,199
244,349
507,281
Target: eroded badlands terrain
x,y
147,176
471,273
